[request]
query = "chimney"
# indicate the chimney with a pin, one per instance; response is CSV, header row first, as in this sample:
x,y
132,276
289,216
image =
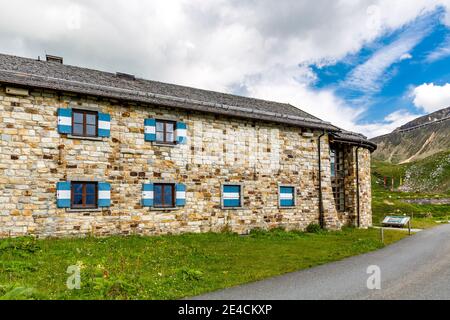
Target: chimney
x,y
125,76
55,59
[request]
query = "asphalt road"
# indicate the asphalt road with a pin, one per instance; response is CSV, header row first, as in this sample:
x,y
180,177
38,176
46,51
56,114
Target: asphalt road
x,y
417,267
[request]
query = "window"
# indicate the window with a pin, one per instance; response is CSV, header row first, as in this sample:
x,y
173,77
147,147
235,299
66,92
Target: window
x,y
337,177
287,196
84,195
164,195
231,196
165,131
84,123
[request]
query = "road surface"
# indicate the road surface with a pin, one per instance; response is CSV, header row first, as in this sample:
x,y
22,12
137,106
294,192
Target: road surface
x,y
417,267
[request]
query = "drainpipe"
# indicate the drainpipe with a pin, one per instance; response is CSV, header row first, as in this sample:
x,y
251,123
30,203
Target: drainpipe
x,y
357,188
321,211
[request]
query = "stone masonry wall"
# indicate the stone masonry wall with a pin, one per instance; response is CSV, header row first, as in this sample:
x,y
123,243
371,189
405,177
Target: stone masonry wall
x,y
350,216
365,188
34,157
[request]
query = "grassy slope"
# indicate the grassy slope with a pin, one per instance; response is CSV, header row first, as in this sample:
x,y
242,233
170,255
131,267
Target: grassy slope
x,y
429,176
168,267
386,202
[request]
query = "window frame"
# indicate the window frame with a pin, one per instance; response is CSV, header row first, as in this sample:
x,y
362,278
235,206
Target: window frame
x,y
83,195
241,196
338,179
165,122
84,113
294,195
163,187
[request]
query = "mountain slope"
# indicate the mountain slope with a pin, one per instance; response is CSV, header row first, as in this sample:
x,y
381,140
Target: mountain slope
x,y
416,140
428,175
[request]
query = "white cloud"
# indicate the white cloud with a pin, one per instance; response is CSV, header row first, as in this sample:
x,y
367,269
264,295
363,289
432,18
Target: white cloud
x,y
372,74
389,123
218,45
442,51
322,103
431,97
369,76
405,56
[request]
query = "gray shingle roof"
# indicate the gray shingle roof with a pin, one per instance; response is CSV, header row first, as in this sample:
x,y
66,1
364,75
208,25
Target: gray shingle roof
x,y
82,80
354,138
51,75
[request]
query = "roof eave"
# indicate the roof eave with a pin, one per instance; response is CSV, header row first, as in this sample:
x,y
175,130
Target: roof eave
x,y
357,141
152,98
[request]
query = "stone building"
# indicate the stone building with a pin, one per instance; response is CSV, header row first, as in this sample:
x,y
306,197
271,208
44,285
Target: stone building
x,y
85,152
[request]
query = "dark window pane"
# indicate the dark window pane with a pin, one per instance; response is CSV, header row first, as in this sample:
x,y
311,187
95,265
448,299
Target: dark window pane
x,y
77,129
91,119
159,126
77,117
159,136
157,195
168,195
91,130
169,127
90,188
77,187
169,137
90,199
77,199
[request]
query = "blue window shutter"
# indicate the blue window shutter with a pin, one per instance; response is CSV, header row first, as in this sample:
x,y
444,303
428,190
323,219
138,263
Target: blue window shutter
x,y
147,195
65,120
180,195
63,194
181,132
287,197
231,196
104,125
150,129
104,194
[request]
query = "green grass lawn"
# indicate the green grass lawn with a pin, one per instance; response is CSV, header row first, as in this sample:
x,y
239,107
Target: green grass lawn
x,y
391,203
168,267
386,202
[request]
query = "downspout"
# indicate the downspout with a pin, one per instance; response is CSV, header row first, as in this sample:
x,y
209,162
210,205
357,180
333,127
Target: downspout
x,y
357,188
321,211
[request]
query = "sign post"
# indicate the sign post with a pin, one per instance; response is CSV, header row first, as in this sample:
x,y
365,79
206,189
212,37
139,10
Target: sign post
x,y
398,222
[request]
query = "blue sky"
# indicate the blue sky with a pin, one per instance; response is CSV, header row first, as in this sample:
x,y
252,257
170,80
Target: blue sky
x,y
365,65
393,90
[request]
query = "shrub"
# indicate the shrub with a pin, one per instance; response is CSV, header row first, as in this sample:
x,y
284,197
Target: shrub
x,y
114,287
313,228
258,232
24,244
19,293
278,232
189,274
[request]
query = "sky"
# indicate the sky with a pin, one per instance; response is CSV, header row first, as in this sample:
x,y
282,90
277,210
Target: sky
x,y
365,65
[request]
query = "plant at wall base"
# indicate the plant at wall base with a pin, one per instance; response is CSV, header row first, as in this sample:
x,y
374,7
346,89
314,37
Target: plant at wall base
x,y
313,228
226,229
279,233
